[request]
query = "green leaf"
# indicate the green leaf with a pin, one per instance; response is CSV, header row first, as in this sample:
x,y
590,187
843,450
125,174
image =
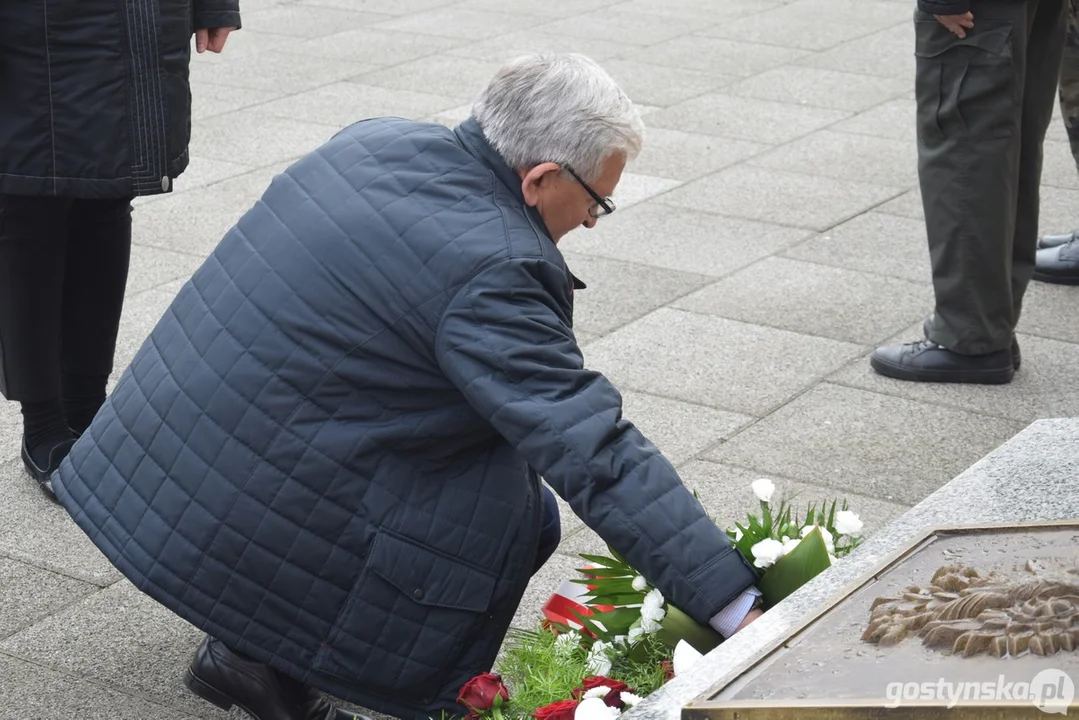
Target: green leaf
x,y
611,586
792,571
831,517
679,626
606,562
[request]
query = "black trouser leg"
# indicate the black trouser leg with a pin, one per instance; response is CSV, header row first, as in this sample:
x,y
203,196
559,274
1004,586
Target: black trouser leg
x,y
980,129
98,258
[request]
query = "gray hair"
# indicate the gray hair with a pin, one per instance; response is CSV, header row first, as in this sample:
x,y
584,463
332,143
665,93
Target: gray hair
x,y
558,108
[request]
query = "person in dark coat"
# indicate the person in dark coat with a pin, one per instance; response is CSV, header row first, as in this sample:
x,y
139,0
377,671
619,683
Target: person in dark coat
x,y
328,454
95,110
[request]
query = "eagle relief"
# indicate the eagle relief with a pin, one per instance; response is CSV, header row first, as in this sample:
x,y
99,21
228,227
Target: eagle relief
x,y
962,613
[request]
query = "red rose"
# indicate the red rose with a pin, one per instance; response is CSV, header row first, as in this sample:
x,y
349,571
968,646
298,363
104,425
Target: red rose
x,y
480,692
611,699
668,669
561,710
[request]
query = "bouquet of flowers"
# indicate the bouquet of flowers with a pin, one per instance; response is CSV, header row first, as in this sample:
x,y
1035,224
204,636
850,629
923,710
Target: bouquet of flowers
x,y
609,638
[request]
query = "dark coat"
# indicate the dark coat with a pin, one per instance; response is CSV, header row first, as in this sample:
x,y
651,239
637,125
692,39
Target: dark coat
x,y
94,101
327,453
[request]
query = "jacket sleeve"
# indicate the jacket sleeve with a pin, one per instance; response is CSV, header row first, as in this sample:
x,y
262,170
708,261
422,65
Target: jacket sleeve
x,y
217,14
506,344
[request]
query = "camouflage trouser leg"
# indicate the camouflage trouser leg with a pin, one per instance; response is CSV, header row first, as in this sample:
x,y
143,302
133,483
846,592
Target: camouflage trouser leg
x,y
1069,80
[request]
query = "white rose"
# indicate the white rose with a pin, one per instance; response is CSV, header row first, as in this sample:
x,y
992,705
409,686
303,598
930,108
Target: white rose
x,y
630,699
764,489
828,541
685,657
634,633
648,625
766,552
594,708
600,692
848,523
737,534
639,583
597,662
789,544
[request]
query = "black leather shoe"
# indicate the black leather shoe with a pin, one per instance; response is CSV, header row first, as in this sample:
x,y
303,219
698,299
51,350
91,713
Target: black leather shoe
x,y
1058,265
1017,356
925,361
1051,241
43,475
225,678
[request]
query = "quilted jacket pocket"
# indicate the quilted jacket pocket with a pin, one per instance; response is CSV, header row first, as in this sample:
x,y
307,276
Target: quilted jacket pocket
x,y
408,618
966,87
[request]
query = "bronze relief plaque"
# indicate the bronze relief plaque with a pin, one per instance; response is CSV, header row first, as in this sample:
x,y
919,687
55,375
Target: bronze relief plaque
x,y
975,622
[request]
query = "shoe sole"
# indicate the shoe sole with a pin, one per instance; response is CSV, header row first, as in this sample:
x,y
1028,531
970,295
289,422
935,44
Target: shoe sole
x,y
985,377
1056,279
212,695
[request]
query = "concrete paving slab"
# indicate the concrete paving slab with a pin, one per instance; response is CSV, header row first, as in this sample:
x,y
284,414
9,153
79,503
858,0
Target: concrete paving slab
x,y
504,48
624,26
1050,311
208,100
634,189
250,137
799,200
1059,211
344,103
296,21
121,638
688,156
1058,168
445,75
38,532
380,48
1046,385
705,54
619,292
885,54
861,158
204,171
703,12
682,239
909,205
32,691
819,88
281,72
858,441
462,23
662,86
799,27
814,299
702,359
542,8
873,242
894,120
759,121
28,594
152,266
681,430
398,7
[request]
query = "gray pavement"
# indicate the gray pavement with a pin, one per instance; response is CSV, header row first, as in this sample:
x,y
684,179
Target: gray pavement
x,y
769,237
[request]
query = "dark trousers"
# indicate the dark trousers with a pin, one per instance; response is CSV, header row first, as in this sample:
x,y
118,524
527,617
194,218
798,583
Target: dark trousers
x,y
551,533
984,104
63,271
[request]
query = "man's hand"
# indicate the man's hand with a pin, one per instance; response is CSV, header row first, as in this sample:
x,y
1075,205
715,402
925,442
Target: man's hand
x,y
750,617
212,39
956,23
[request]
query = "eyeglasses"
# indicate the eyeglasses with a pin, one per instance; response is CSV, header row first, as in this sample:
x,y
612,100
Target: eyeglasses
x,y
603,206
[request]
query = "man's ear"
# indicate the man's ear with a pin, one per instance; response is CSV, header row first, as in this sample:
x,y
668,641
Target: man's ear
x,y
532,181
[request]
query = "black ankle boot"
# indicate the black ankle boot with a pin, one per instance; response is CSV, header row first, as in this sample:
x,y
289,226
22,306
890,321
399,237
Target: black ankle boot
x,y
226,678
48,463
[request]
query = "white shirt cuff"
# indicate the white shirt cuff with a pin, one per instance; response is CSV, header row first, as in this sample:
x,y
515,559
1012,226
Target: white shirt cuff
x,y
727,620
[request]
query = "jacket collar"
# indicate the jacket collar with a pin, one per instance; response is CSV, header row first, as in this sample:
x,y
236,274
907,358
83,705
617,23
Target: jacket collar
x,y
471,134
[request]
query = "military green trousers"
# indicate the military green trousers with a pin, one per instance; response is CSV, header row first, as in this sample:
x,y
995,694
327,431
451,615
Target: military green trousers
x,y
984,103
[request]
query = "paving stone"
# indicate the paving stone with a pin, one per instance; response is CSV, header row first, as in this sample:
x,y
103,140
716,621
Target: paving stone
x,y
702,359
202,171
209,100
504,48
345,103
455,22
687,156
151,266
874,243
279,72
820,88
681,239
799,200
542,8
297,21
453,117
445,75
118,637
662,86
243,44
908,205
814,299
257,139
727,497
705,54
886,54
759,121
680,430
374,47
38,532
33,691
1050,311
847,157
397,7
1059,167
812,26
894,119
28,593
878,445
624,26
634,188
706,12
1059,211
10,432
1046,386
619,292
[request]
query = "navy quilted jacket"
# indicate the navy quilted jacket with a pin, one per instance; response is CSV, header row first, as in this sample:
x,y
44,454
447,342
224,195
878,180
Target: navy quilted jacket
x,y
327,453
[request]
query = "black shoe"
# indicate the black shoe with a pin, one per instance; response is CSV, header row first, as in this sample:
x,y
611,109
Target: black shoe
x,y
43,475
1017,356
1058,265
925,361
226,678
1051,241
